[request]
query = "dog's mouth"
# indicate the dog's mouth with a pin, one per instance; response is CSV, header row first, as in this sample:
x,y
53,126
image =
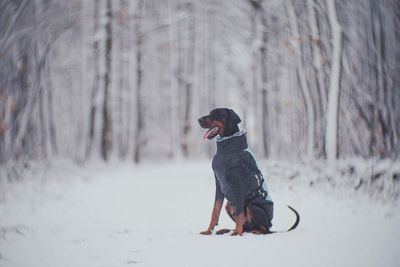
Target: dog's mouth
x,y
211,133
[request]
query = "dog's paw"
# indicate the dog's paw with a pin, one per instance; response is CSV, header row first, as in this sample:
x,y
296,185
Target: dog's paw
x,y
206,232
235,233
259,232
223,231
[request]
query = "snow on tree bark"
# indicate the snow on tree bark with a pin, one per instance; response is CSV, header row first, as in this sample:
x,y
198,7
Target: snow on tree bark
x,y
332,115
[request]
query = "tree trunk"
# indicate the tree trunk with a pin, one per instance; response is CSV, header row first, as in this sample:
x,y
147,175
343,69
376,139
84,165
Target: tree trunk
x,y
176,66
264,81
139,72
52,128
96,80
308,101
39,79
106,130
318,77
191,28
332,117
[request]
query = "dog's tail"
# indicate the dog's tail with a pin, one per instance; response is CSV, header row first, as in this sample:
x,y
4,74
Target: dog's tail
x,y
297,219
296,223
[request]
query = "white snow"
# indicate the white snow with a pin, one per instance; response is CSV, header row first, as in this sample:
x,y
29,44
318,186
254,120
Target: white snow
x,y
121,215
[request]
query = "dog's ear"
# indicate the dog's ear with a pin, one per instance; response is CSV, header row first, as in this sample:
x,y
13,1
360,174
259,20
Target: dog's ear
x,y
234,117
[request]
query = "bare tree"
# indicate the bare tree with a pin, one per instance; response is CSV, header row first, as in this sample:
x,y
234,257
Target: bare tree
x,y
106,113
304,76
96,80
317,75
261,13
139,76
308,101
334,84
188,86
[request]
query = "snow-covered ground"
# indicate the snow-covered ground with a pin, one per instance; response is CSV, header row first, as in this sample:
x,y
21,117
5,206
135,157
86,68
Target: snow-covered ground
x,y
122,215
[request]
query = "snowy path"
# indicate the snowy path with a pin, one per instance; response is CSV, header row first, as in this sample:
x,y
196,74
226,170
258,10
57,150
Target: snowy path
x,y
150,216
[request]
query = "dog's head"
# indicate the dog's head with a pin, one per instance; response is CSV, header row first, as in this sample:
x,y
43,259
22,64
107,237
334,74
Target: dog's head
x,y
220,121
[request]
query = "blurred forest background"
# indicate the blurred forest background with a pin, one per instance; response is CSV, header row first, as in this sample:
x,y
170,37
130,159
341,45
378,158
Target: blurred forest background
x,y
120,79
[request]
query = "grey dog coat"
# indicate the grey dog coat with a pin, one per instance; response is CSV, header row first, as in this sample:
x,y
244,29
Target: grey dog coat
x,y
239,179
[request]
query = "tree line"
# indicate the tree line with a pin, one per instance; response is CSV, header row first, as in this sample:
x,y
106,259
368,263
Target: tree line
x,y
128,79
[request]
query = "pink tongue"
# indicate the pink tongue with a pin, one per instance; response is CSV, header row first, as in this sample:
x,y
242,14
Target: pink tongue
x,y
211,131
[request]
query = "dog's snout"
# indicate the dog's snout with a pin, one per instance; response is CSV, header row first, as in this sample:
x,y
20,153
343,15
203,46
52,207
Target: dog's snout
x,y
203,121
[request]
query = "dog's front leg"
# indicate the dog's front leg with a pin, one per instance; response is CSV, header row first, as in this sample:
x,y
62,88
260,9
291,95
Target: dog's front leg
x,y
239,219
214,217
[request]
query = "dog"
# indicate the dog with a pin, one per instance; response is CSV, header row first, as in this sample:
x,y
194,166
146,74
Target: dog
x,y
237,178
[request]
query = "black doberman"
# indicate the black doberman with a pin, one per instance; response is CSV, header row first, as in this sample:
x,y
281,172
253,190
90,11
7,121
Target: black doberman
x,y
237,177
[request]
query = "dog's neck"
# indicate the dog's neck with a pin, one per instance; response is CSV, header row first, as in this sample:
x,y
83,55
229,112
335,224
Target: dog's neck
x,y
229,132
232,144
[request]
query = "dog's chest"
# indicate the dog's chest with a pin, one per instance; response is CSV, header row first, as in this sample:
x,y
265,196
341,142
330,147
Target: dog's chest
x,y
220,165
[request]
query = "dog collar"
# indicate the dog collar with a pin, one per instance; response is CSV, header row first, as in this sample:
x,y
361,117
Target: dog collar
x,y
240,133
232,144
